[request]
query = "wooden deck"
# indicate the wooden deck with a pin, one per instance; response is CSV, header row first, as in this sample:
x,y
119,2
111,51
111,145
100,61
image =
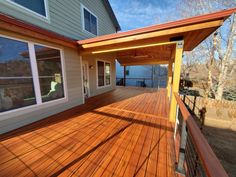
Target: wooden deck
x,y
124,132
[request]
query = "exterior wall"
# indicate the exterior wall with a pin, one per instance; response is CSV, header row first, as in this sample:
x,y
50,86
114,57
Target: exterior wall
x,y
72,65
64,17
94,89
155,76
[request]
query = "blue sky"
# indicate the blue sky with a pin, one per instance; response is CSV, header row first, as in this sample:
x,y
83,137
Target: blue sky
x,y
133,14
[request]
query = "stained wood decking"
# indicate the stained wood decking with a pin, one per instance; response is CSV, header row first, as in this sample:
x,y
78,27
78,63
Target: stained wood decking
x,y
124,132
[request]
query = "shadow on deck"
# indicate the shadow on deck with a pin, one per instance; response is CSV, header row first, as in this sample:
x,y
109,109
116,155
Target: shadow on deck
x,y
124,132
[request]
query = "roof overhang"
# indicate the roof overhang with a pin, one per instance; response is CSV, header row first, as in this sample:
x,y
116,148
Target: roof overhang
x,y
14,25
133,44
111,14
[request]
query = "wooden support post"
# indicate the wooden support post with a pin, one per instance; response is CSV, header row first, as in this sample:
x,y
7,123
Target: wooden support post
x,y
124,81
176,79
169,81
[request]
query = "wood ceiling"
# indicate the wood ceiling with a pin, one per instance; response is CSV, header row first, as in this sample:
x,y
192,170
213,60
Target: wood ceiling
x,y
145,56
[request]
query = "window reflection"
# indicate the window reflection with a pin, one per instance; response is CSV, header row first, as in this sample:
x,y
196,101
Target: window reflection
x,y
104,73
90,22
108,73
16,83
36,5
100,65
50,73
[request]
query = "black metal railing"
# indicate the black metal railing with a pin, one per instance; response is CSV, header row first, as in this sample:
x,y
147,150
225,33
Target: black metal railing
x,y
197,112
159,82
195,156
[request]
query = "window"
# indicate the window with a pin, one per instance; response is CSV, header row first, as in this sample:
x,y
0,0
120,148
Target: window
x,y
37,6
16,82
100,73
108,73
90,22
50,73
104,73
21,86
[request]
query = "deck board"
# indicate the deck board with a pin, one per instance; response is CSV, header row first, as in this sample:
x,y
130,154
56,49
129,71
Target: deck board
x,y
124,132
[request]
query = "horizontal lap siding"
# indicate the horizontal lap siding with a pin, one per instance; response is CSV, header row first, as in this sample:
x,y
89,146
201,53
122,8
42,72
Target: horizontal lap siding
x,y
20,117
65,17
94,90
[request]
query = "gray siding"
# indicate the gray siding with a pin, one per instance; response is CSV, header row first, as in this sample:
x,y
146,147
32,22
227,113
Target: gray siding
x,y
65,17
11,120
94,90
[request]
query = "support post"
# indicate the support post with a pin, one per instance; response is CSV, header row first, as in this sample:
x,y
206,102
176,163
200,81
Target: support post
x,y
176,79
124,81
169,82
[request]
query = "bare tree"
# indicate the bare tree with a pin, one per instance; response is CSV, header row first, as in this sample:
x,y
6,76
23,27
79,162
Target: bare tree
x,y
225,57
217,50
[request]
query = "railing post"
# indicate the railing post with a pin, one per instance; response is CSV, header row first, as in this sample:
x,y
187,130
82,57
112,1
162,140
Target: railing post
x,y
183,141
124,84
184,98
177,121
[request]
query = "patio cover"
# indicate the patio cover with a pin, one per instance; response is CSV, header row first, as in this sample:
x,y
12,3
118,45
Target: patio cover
x,y
155,44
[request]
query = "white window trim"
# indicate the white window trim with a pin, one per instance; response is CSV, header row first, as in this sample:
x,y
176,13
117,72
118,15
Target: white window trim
x,y
35,74
104,86
83,25
39,104
29,11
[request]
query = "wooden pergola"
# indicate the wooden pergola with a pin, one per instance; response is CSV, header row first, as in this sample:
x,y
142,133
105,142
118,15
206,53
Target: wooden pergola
x,y
158,44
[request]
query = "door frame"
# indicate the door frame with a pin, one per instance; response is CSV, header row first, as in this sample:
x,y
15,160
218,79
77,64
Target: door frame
x,y
85,62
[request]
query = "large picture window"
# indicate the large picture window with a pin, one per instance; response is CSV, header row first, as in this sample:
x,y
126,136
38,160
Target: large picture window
x,y
16,82
90,22
29,74
36,6
103,73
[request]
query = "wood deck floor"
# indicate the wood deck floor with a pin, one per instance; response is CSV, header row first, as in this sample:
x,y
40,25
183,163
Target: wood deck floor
x,y
124,132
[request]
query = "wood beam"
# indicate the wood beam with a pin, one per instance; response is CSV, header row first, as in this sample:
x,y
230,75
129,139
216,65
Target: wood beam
x,y
132,47
125,45
176,79
177,30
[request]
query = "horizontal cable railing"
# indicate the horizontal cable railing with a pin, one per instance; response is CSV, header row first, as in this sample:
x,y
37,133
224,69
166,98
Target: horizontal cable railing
x,y
197,112
143,82
195,156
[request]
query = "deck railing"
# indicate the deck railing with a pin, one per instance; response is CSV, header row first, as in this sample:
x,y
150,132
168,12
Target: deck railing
x,y
195,156
159,82
197,112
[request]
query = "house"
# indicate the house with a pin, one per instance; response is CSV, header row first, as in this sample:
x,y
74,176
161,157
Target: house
x,y
58,70
153,76
41,70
